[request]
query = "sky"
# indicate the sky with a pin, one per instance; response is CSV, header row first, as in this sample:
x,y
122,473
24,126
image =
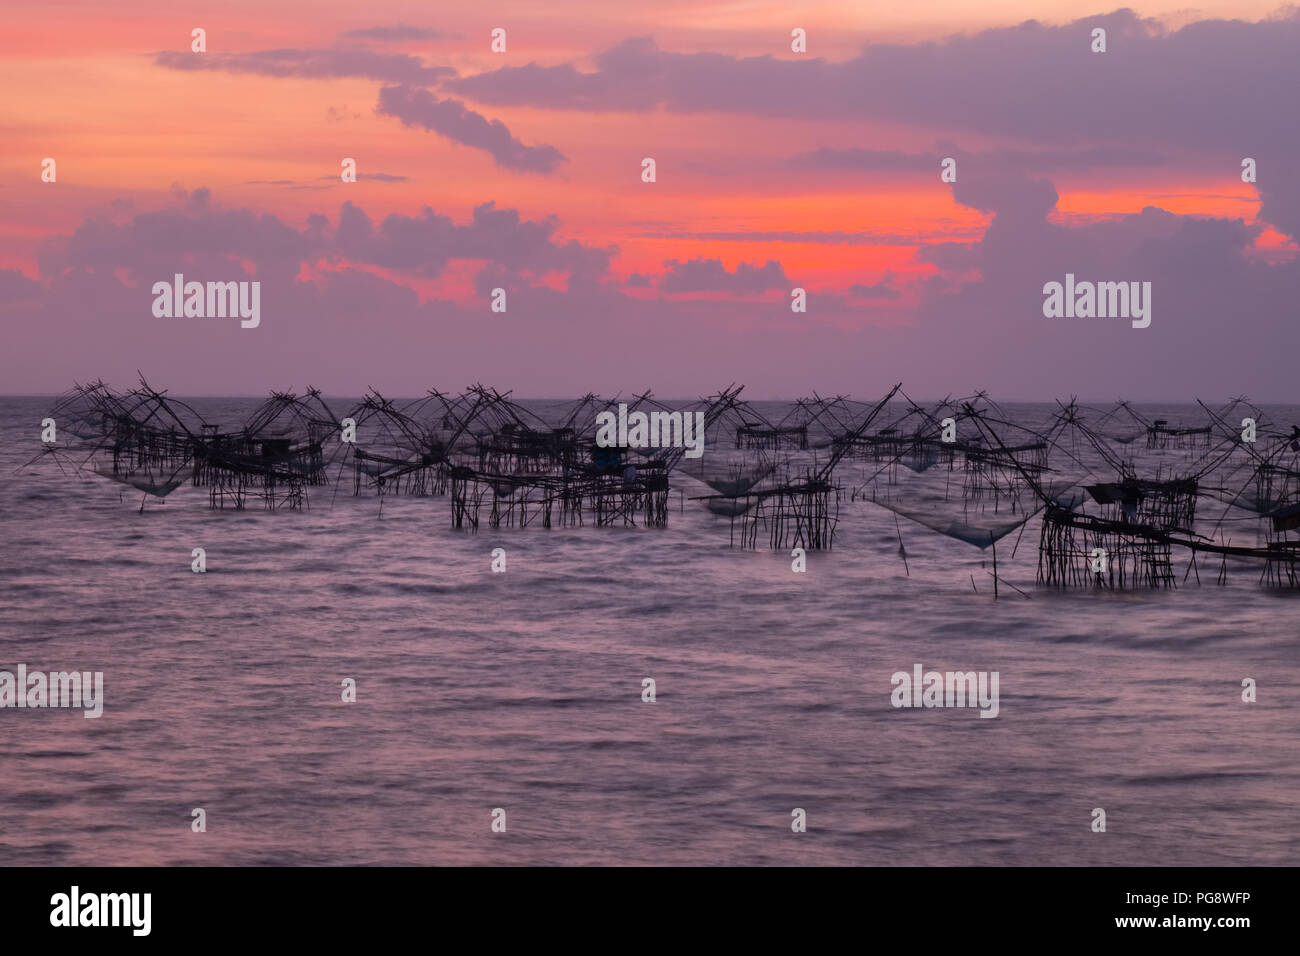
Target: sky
x,y
522,170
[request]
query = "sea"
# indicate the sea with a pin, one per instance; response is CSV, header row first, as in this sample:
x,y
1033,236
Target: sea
x,y
519,698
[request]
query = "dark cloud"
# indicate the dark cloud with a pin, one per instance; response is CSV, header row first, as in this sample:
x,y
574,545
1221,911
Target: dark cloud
x,y
449,118
831,237
1154,83
1215,87
427,242
710,275
200,237
405,98
1223,320
16,287
898,161
1008,192
880,290
319,64
951,256
1213,304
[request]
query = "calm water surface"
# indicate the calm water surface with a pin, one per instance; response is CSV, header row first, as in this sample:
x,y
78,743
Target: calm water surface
x,y
522,690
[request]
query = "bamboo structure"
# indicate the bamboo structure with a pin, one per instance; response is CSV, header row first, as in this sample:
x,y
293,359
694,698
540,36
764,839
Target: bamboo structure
x,y
1121,501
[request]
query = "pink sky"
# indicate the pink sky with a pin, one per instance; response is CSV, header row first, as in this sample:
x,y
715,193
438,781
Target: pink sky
x,y
776,170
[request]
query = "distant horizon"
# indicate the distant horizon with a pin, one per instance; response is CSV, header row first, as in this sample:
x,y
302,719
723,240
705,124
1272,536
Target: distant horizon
x,y
854,396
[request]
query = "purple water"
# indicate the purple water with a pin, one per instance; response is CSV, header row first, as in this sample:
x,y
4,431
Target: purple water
x,y
522,691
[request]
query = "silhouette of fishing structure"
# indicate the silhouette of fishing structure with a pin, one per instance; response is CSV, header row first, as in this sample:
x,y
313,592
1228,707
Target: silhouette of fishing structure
x,y
796,502
1117,511
272,459
148,441
404,450
1123,533
528,471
